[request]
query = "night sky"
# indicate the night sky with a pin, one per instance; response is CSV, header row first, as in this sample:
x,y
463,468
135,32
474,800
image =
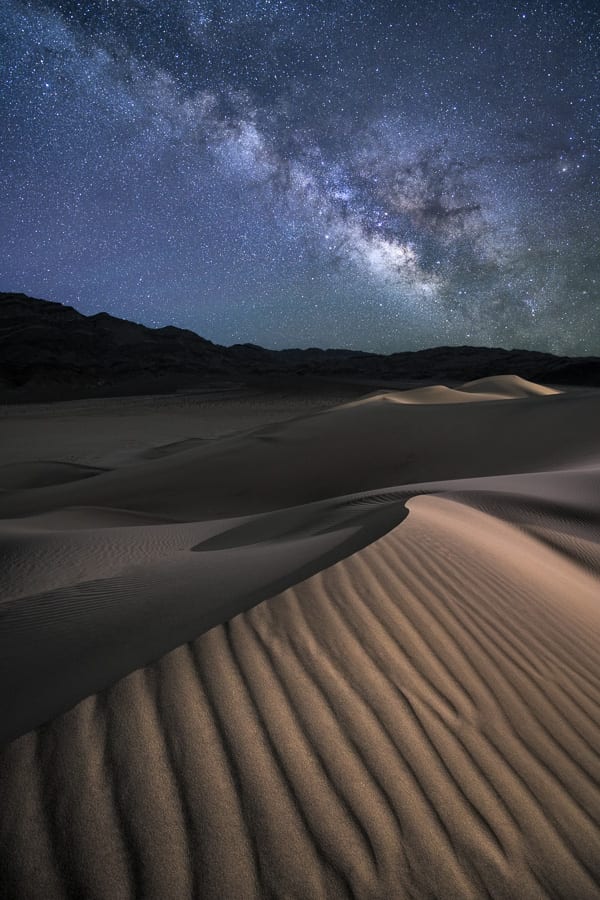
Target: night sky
x,y
375,175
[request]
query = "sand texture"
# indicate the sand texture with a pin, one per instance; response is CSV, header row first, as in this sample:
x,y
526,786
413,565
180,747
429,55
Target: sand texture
x,y
352,654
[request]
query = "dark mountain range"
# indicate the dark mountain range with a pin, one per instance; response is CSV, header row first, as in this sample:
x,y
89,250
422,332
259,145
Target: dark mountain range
x,y
51,350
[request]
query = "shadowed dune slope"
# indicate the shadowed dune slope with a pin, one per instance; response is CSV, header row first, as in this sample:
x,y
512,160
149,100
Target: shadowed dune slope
x,y
19,476
83,608
421,719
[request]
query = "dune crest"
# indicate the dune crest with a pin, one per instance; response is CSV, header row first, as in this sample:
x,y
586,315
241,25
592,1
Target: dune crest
x,y
432,394
509,386
498,387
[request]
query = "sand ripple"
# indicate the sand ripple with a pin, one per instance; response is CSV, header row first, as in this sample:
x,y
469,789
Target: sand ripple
x,y
417,720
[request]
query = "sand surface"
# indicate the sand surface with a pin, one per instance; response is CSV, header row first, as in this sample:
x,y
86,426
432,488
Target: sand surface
x,y
350,652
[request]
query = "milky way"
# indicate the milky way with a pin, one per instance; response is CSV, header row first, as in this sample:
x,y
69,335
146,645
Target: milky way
x,y
382,176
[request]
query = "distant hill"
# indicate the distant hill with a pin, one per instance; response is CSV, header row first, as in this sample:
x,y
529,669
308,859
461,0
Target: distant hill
x,y
49,349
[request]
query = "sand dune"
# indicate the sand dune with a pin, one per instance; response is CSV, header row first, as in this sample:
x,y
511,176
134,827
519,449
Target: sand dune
x,y
334,453
434,394
397,691
412,721
508,386
498,387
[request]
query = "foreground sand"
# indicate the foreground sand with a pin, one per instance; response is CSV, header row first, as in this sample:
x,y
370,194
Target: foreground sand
x,y
413,712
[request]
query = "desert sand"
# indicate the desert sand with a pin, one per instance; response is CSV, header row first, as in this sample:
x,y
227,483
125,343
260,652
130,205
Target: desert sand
x,y
345,646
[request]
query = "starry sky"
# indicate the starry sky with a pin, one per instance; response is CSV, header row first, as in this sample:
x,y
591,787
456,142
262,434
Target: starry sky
x,y
375,175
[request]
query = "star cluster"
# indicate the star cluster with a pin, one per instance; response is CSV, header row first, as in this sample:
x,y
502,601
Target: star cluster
x,y
327,172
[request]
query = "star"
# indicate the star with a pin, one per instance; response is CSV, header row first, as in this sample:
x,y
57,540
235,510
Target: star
x,y
366,175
